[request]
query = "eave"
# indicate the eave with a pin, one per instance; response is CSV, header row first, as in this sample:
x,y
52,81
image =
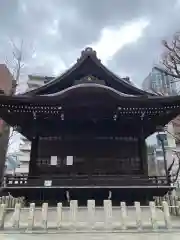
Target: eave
x,y
88,57
24,110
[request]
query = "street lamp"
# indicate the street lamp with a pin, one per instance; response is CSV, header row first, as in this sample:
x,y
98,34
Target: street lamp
x,y
160,138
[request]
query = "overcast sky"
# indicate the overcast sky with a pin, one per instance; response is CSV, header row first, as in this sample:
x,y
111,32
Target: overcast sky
x,y
126,34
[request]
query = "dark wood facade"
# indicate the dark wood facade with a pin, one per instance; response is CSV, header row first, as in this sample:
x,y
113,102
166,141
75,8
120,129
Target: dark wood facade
x,y
99,119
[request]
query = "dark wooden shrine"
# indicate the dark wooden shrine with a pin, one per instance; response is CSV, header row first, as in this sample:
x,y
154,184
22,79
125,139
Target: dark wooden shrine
x,y
96,120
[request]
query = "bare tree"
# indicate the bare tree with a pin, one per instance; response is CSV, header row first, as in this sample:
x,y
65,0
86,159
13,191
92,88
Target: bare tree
x,y
171,56
170,63
16,64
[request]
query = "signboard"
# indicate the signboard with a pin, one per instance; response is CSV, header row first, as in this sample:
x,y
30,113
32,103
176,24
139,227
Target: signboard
x,y
53,160
48,183
69,160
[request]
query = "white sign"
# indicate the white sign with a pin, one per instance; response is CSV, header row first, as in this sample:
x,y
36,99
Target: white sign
x,y
69,160
54,160
48,183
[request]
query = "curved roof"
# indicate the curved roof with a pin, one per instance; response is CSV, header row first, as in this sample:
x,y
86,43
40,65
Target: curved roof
x,y
88,64
89,87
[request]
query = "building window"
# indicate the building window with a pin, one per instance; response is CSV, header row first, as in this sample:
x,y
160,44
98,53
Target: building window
x,y
162,138
159,153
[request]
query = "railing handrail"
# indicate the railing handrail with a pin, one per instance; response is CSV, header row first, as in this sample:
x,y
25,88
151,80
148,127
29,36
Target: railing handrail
x,y
86,180
87,176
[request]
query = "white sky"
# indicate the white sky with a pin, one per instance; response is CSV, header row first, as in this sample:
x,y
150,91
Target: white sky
x,y
113,40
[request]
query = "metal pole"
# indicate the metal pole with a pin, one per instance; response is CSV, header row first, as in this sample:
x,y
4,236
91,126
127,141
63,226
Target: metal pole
x,y
164,157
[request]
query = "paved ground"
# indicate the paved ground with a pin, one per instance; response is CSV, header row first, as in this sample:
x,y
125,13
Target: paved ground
x,y
120,236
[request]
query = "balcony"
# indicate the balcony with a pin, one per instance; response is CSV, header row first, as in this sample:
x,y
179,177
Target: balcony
x,y
24,158
25,147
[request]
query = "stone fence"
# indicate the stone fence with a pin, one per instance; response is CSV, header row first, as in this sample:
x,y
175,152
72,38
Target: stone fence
x,y
90,218
173,201
10,201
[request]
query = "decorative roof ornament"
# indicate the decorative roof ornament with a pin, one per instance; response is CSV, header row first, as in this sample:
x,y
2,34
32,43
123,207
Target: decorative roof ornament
x,y
89,79
88,52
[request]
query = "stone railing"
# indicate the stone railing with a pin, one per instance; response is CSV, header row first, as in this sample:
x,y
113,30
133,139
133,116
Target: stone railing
x,y
173,201
10,201
89,218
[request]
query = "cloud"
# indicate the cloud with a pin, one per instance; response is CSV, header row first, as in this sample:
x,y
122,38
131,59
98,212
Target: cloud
x,y
113,40
126,33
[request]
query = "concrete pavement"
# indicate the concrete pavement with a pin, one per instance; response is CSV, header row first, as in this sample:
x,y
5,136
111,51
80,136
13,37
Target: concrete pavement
x,y
94,236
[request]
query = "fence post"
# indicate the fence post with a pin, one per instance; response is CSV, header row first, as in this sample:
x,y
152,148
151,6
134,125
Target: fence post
x,y
3,200
73,211
108,213
7,202
91,213
123,216
2,215
167,218
178,208
44,215
17,212
13,203
59,215
31,216
138,215
153,215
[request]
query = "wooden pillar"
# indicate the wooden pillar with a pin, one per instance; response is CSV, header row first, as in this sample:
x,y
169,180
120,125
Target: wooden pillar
x,y
143,155
33,157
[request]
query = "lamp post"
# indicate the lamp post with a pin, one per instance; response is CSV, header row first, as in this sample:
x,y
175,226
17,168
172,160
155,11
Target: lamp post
x,y
164,156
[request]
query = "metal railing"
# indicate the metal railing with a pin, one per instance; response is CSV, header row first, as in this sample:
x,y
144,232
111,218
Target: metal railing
x,y
83,180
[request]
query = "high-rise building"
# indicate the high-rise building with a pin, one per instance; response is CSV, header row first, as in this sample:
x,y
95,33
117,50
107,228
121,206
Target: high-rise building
x,y
159,82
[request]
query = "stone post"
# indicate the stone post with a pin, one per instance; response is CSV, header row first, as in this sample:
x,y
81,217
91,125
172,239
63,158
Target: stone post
x,y
108,213
138,215
44,215
3,200
91,213
153,215
167,218
2,215
16,218
7,201
13,203
73,211
31,216
123,216
59,215
178,208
